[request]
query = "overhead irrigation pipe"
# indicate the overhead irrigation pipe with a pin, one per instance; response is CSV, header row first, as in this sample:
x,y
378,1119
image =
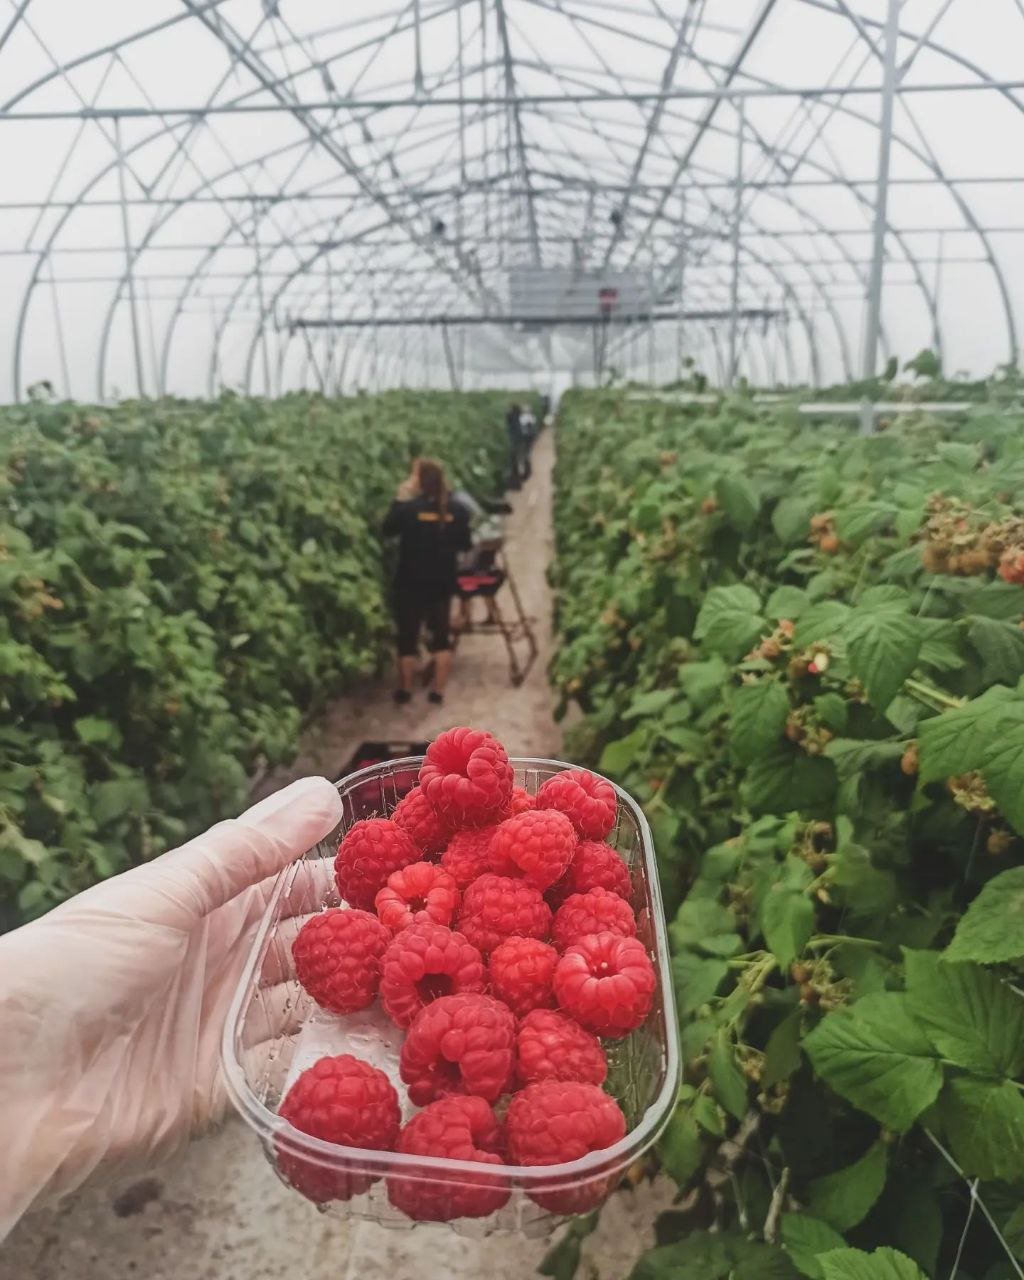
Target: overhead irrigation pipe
x,y
548,321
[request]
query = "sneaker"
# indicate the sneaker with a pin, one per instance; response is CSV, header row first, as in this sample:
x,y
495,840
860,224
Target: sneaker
x,y
435,697
401,697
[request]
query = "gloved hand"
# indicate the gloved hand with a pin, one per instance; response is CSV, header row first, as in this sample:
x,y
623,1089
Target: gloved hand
x,y
112,1005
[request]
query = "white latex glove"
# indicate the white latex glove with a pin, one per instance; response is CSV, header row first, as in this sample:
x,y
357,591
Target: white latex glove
x,y
112,1005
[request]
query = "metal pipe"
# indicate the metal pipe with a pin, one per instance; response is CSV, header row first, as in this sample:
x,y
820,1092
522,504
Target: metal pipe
x,y
737,218
129,272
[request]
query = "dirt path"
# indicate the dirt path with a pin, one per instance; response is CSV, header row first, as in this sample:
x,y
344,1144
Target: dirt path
x,y
219,1212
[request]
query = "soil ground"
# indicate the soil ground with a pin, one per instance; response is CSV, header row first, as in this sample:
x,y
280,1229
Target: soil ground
x,y
218,1212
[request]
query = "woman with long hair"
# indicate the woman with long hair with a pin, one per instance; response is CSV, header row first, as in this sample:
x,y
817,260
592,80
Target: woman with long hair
x,y
432,527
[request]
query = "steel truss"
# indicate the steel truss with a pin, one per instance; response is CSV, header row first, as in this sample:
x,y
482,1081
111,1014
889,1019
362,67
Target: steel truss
x,y
417,150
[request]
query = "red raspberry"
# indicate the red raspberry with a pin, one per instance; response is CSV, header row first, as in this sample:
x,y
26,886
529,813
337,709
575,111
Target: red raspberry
x,y
556,1121
520,970
550,1046
467,854
459,1044
606,982
594,866
337,958
496,907
417,817
342,1100
538,846
598,911
520,802
367,855
420,892
466,776
422,963
588,801
455,1128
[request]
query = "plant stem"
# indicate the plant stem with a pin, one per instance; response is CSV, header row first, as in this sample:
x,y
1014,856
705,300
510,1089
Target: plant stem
x,y
927,694
835,939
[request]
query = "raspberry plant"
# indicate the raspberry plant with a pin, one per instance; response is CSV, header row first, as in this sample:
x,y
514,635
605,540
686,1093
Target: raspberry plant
x,y
803,652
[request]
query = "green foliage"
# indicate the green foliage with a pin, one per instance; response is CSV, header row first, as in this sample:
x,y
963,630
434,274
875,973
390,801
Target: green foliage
x,y
829,743
182,582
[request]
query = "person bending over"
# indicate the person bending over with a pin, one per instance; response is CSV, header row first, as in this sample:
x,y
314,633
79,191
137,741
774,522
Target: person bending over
x,y
432,528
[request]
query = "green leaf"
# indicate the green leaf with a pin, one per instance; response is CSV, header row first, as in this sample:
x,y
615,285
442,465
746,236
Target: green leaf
x,y
619,755
1000,645
679,1147
111,800
727,1080
804,1238
787,781
791,519
875,1056
739,501
696,979
645,704
992,928
820,622
845,1197
787,915
562,1260
853,757
882,1264
956,741
1003,769
984,1122
882,647
787,602
703,1255
94,731
782,1052
971,1017
703,682
856,523
758,714
830,710
729,622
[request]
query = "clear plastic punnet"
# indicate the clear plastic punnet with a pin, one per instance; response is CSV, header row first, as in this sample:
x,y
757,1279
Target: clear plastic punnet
x,y
275,1031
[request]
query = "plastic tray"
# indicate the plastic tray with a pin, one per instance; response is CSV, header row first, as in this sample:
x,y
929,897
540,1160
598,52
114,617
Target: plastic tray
x,y
274,1031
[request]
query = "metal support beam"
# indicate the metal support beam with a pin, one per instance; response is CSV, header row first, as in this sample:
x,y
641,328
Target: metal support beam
x,y
129,271
737,222
539,321
450,358
517,125
872,323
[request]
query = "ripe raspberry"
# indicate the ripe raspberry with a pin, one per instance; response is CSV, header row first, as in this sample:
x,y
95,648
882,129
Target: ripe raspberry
x,y
459,1044
467,854
598,911
455,1128
419,892
520,802
520,972
419,819
422,963
556,1121
550,1046
367,855
342,1100
538,846
594,866
466,776
588,801
337,958
606,982
496,907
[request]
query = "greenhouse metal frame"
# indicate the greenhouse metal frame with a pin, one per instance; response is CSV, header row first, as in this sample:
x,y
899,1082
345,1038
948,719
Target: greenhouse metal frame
x,y
418,153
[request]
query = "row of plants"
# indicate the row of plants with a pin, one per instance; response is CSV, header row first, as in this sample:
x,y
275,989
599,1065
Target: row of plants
x,y
180,583
802,651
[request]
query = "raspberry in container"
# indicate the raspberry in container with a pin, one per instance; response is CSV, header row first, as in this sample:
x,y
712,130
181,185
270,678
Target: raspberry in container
x,y
400,1069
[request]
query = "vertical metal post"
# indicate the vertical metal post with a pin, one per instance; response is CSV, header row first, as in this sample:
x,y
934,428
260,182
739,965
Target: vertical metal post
x,y
737,215
682,285
872,323
129,273
264,350
449,356
650,327
418,84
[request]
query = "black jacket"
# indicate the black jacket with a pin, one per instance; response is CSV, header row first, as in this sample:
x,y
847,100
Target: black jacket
x,y
427,544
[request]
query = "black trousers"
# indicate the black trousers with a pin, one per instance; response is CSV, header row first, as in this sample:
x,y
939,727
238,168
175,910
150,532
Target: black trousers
x,y
413,612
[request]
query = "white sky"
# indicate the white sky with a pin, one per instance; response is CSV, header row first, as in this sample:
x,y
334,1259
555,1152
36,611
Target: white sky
x,y
358,191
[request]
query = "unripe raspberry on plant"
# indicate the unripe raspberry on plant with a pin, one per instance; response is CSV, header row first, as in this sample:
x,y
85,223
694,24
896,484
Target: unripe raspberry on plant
x,y
536,846
466,776
589,802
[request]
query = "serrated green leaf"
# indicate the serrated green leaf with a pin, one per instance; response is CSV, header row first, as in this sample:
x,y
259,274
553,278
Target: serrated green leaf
x,y
856,523
955,741
883,648
844,1198
787,917
831,710
991,930
696,979
757,718
820,622
1003,769
727,1080
853,757
787,781
95,731
787,602
882,1264
984,1122
679,1148
791,519
619,755
805,1238
782,1052
729,622
703,682
1000,645
875,1056
649,703
971,1017
563,1259
739,501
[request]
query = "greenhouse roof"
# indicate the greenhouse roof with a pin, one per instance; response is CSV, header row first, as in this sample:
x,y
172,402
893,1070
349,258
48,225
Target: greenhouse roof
x,y
275,193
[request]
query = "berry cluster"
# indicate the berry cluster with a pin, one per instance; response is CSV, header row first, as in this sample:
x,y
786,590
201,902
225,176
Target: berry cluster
x,y
497,931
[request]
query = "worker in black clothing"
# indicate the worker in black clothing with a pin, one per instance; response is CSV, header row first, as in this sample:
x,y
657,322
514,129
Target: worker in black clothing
x,y
516,447
432,528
